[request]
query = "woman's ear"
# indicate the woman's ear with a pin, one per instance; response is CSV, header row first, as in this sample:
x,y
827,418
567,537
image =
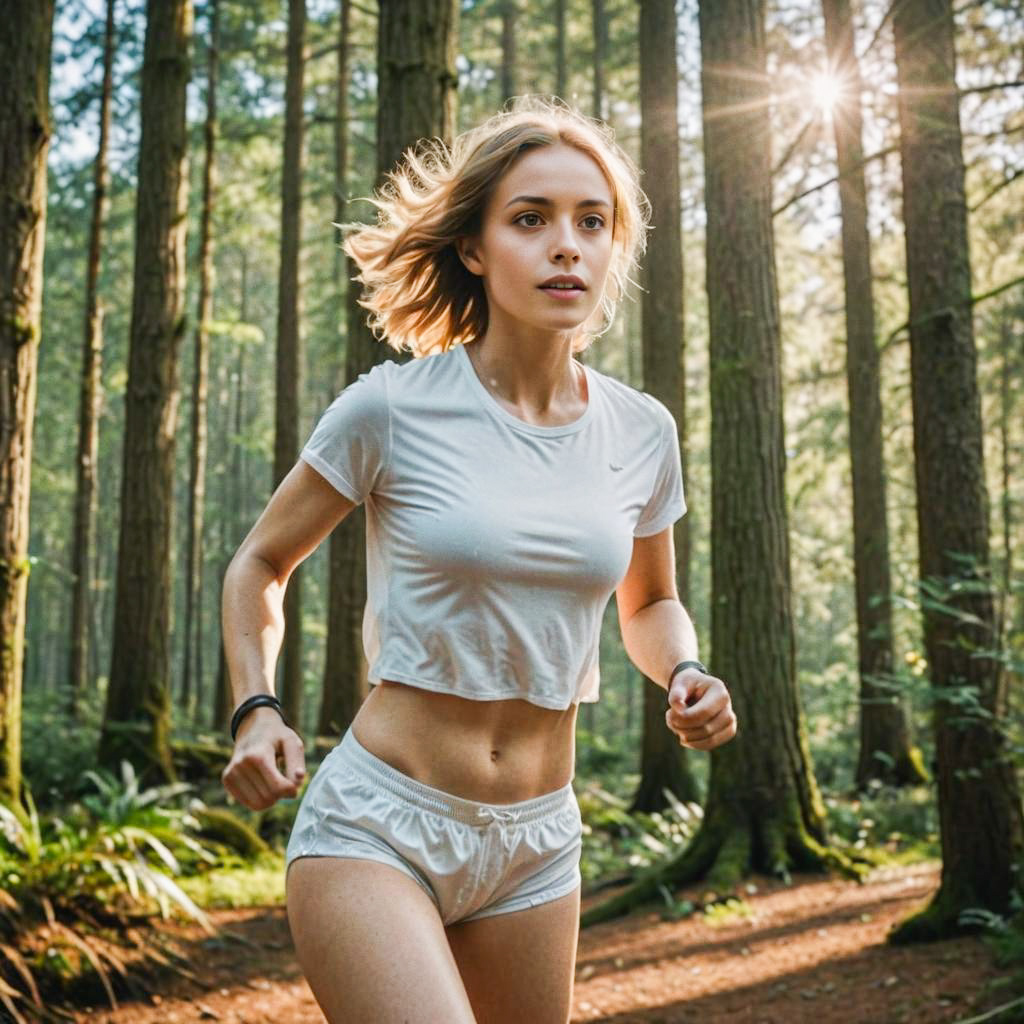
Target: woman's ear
x,y
466,248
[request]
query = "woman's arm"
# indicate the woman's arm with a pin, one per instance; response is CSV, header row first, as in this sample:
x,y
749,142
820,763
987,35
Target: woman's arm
x,y
303,510
658,634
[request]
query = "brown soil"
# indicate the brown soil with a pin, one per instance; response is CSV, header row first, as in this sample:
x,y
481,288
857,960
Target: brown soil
x,y
811,952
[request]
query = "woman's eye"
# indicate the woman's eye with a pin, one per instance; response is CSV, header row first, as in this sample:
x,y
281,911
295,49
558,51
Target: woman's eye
x,y
598,221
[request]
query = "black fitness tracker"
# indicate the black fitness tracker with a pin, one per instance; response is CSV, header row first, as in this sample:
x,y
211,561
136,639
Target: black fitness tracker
x,y
687,664
260,700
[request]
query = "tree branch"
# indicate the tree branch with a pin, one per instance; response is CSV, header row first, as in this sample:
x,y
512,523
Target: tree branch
x,y
975,299
831,181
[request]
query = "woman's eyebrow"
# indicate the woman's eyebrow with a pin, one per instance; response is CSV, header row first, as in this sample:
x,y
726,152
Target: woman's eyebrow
x,y
542,201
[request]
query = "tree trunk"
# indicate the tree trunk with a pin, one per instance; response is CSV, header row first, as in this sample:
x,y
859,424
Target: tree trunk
x,y
137,715
234,495
190,701
561,74
289,343
600,29
416,100
90,398
416,44
344,682
664,762
885,750
979,805
763,810
509,64
25,42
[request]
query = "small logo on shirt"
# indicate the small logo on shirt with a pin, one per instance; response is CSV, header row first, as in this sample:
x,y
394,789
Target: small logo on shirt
x,y
613,467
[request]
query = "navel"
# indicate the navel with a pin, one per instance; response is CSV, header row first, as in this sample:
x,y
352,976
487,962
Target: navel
x,y
495,755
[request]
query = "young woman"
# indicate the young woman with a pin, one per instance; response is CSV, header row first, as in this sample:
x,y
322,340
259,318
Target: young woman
x,y
433,868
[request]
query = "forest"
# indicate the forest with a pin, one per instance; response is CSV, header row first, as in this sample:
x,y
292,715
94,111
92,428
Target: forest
x,y
831,305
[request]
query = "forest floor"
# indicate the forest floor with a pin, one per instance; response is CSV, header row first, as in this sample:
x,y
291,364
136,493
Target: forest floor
x,y
814,951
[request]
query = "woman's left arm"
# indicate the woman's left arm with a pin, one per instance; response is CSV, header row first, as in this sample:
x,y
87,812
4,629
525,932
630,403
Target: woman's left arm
x,y
658,634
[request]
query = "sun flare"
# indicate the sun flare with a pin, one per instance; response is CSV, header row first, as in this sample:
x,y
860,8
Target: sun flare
x,y
827,90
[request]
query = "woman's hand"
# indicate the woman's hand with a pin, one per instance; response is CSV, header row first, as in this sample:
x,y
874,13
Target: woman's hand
x,y
700,710
252,776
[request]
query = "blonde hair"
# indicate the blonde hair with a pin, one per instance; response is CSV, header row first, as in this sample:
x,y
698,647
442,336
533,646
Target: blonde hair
x,y
420,295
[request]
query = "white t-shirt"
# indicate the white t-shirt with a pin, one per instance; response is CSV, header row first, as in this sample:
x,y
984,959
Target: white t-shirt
x,y
492,545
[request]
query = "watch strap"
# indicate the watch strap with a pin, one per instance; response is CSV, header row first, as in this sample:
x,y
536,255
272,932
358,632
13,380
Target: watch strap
x,y
259,700
699,666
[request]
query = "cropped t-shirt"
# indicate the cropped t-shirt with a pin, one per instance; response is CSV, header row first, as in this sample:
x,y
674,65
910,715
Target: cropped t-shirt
x,y
493,545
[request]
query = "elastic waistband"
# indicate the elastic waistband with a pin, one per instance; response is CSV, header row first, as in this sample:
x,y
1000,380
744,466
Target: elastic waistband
x,y
351,752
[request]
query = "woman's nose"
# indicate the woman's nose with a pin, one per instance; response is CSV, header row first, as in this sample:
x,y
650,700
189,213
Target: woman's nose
x,y
565,243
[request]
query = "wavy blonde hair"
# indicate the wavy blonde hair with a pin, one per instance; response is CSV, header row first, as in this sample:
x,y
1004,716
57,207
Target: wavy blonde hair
x,y
420,295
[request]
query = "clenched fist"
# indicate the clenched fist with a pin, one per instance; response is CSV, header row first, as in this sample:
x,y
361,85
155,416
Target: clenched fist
x,y
252,776
700,710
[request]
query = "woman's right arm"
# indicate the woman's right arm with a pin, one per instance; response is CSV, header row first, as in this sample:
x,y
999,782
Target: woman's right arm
x,y
303,510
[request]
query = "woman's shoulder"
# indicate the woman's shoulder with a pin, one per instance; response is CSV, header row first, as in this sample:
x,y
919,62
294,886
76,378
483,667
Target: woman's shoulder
x,y
629,402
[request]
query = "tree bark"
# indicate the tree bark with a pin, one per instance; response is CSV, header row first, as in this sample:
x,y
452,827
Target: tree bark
x,y
979,806
192,701
417,80
664,762
509,63
599,21
885,751
416,100
290,344
344,683
90,400
561,72
26,34
137,714
763,810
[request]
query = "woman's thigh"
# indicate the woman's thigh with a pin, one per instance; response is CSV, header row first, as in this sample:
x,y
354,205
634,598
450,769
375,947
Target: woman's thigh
x,y
520,966
371,944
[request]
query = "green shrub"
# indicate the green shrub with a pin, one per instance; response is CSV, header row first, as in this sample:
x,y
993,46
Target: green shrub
x,y
81,873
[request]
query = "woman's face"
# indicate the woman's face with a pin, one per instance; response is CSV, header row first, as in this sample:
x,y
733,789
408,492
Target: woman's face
x,y
550,215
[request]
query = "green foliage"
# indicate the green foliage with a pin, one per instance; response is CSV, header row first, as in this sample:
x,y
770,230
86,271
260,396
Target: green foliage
x,y
78,873
57,751
239,882
617,843
886,823
227,828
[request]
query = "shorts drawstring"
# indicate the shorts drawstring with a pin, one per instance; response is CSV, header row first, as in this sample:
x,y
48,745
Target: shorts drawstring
x,y
498,815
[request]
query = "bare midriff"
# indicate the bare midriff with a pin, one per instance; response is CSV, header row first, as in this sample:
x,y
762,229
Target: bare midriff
x,y
495,751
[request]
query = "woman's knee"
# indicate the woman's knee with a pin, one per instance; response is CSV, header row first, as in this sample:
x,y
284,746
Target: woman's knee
x,y
371,944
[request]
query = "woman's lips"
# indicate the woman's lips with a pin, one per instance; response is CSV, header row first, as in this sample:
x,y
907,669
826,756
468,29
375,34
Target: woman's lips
x,y
563,293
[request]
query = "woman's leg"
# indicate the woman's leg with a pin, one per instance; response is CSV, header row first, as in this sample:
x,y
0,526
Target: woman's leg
x,y
371,944
520,966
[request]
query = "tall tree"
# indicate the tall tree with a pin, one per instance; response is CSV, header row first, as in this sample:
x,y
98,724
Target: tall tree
x,y
509,63
663,761
136,718
561,64
885,750
599,23
979,806
193,656
90,397
26,34
289,339
339,701
763,810
416,42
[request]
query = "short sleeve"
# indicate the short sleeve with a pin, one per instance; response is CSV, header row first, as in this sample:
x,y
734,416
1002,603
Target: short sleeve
x,y
667,503
351,443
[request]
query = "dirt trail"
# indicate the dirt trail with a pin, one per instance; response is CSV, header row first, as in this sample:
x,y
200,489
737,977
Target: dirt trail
x,y
812,952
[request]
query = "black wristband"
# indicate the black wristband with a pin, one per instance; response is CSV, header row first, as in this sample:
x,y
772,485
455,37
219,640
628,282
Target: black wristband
x,y
260,700
686,664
